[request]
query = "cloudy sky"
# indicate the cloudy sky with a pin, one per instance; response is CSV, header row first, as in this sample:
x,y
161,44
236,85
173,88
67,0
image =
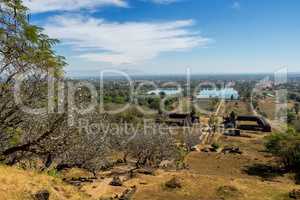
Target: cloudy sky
x,y
167,36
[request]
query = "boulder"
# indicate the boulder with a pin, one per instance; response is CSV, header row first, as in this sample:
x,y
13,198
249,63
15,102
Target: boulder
x,y
42,195
145,171
295,194
232,150
77,181
116,181
127,194
173,183
167,164
205,149
195,148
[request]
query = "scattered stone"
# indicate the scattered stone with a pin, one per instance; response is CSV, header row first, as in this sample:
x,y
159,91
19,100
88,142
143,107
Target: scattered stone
x,y
167,164
116,181
228,192
143,183
106,165
295,194
232,150
42,195
77,181
118,171
120,161
174,183
145,171
205,149
127,194
195,148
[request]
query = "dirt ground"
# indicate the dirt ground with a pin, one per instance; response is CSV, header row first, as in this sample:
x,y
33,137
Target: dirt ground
x,y
251,175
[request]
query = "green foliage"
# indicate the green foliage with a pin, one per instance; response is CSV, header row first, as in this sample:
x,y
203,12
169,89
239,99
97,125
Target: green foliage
x,y
254,104
213,103
53,173
181,154
297,107
213,120
119,100
32,33
107,99
286,146
131,115
154,103
14,135
291,116
215,146
24,50
296,125
26,43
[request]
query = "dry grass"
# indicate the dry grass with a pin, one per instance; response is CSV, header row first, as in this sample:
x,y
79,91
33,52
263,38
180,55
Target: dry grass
x,y
268,106
211,176
239,107
208,172
16,184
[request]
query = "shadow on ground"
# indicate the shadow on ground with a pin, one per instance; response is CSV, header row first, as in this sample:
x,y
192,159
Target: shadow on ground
x,y
266,172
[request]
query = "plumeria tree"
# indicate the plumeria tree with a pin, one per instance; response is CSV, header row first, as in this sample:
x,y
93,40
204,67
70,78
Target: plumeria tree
x,y
25,51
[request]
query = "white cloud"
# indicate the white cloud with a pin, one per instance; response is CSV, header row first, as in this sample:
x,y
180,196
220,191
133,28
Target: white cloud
x,y
119,43
163,1
39,6
236,5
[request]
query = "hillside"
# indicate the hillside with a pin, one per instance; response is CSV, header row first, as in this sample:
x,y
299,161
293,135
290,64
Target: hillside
x,y
210,176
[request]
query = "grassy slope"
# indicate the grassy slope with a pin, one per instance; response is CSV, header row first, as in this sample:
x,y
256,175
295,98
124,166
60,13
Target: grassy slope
x,y
210,171
206,174
17,184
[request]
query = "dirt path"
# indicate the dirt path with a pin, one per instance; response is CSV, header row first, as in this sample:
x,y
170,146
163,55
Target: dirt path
x,y
219,107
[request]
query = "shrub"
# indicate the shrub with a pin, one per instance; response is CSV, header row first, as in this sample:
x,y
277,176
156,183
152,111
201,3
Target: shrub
x,y
215,146
173,183
53,173
286,146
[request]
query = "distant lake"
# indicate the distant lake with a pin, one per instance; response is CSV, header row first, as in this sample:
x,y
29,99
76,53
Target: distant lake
x,y
226,93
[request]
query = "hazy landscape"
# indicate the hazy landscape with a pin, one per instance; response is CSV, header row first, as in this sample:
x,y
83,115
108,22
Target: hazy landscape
x,y
149,99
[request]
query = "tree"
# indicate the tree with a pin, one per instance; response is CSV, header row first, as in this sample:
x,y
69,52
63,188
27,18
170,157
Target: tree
x,y
25,50
286,146
297,107
150,147
154,103
213,122
119,100
291,116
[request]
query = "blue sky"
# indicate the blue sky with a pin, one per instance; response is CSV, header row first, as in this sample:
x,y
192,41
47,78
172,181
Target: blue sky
x,y
167,36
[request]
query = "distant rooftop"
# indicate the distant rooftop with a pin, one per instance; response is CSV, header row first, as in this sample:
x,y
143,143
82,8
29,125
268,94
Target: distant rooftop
x,y
168,91
226,93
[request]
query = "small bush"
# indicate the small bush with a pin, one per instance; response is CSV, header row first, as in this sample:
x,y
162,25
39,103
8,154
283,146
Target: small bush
x,y
215,146
53,173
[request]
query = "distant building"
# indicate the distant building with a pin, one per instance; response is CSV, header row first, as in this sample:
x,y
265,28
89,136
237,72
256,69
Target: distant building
x,y
164,91
226,93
